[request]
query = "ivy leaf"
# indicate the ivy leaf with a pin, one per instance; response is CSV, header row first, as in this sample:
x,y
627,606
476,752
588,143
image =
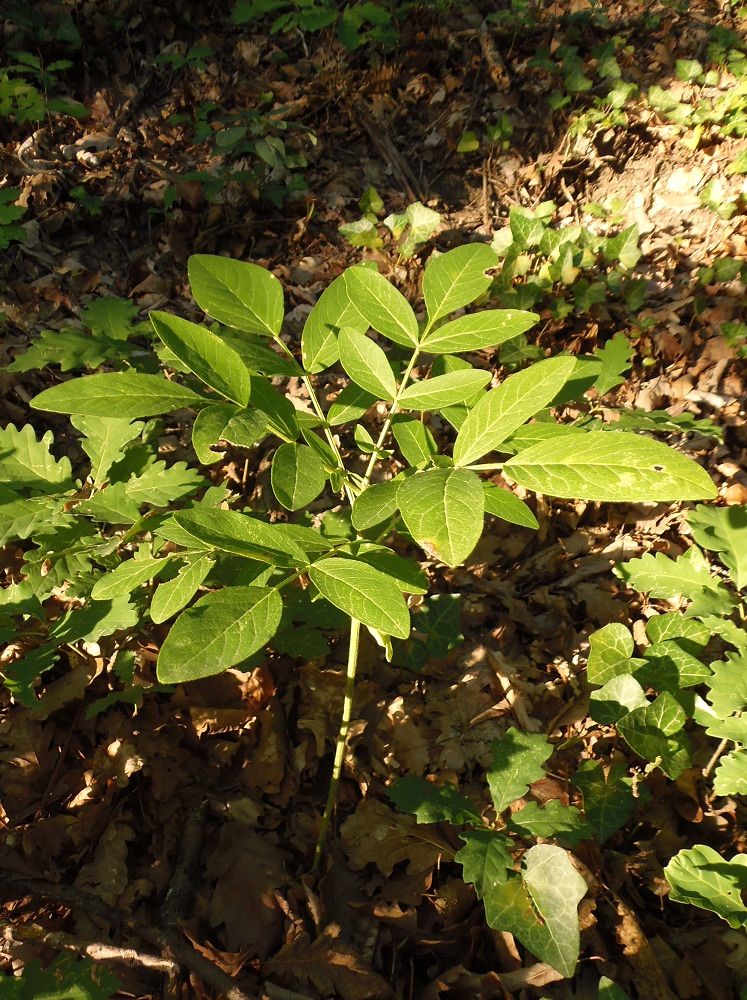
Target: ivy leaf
x,y
689,633
623,247
616,698
456,279
334,311
724,530
220,630
701,877
517,763
486,859
443,390
610,991
655,732
507,506
385,309
366,364
503,410
364,593
125,577
128,394
540,907
205,355
27,464
229,531
730,777
526,229
608,797
479,331
414,440
104,440
667,666
298,475
432,803
610,653
443,510
237,293
553,821
159,485
615,466
174,595
656,574
615,357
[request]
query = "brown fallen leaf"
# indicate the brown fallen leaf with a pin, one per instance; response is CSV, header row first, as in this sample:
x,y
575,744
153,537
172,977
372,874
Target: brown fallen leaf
x,y
376,834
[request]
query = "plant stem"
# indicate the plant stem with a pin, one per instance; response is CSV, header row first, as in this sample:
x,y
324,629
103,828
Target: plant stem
x,y
388,422
342,735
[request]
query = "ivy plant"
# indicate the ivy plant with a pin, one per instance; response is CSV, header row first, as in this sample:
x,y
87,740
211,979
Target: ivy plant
x,y
402,462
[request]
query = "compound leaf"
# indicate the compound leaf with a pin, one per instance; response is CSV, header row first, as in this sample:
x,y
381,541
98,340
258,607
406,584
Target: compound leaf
x,y
363,593
172,596
478,331
456,278
126,394
443,390
237,293
443,510
384,308
366,364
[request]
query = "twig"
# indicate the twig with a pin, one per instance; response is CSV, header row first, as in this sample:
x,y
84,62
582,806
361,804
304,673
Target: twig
x,y
496,65
715,758
183,879
388,151
182,953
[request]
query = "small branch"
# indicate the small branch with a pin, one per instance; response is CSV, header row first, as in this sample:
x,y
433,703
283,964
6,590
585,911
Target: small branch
x,y
184,877
715,758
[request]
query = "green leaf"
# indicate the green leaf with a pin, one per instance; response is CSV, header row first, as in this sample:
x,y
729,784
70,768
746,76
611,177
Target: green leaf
x,y
334,311
172,596
414,439
422,222
298,475
110,315
456,279
376,504
205,355
27,464
610,991
443,510
615,357
123,579
728,685
126,394
239,294
385,309
281,414
363,593
505,505
701,877
66,978
540,907
517,763
615,466
21,518
618,697
624,247
229,531
217,632
610,653
608,798
658,575
486,859
730,777
503,410
723,530
668,666
479,331
432,803
350,405
689,633
553,821
366,364
159,485
406,573
526,230
103,442
110,505
655,732
443,390
225,422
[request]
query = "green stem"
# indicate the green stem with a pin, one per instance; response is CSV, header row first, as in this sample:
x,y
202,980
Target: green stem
x,y
388,422
486,467
342,735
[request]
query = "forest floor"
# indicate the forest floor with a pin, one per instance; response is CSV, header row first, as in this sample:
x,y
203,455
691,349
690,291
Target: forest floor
x,y
220,784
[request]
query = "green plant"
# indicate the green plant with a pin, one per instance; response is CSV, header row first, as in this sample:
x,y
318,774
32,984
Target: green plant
x,y
24,101
130,537
194,57
64,979
408,230
10,212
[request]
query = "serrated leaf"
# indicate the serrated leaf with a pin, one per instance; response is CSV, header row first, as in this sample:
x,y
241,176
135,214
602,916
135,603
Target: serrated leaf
x,y
220,630
70,350
443,390
20,517
608,798
730,777
376,504
701,877
443,510
384,309
298,475
230,531
110,315
366,364
128,394
104,440
334,311
615,357
503,410
237,293
456,278
728,685
110,505
655,732
172,596
610,653
125,577
505,505
540,907
363,593
485,859
479,331
159,485
656,574
414,440
27,463
615,466
517,763
723,530
205,355
553,821
432,803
